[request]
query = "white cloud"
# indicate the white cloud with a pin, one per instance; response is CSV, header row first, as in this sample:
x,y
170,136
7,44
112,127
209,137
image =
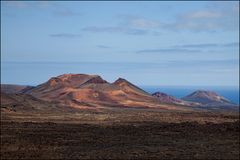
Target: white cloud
x,y
66,13
65,35
222,16
17,4
116,29
208,19
144,23
27,4
203,14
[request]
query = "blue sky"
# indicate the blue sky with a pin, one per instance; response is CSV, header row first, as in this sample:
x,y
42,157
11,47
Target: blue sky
x,y
148,43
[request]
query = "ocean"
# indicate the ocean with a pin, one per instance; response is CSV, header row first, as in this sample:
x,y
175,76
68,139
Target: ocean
x,y
231,93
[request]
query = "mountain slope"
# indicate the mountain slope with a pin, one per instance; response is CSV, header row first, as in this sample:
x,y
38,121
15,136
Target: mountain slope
x,y
27,103
129,87
11,88
165,98
75,89
205,97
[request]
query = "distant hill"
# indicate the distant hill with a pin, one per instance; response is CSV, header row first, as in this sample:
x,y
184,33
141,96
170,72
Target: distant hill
x,y
210,99
165,98
205,97
11,88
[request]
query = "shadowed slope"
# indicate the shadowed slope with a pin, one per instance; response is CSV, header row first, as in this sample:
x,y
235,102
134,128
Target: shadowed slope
x,y
27,103
11,88
166,98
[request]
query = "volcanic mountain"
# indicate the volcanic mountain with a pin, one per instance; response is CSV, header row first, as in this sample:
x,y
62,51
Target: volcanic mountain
x,y
208,98
82,91
91,91
165,98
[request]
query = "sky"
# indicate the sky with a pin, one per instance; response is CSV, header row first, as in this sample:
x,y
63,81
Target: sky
x,y
148,43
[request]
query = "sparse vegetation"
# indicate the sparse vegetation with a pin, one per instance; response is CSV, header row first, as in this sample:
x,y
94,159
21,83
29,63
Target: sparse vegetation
x,y
119,134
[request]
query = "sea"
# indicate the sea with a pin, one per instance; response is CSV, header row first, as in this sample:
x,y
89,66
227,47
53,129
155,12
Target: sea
x,y
229,92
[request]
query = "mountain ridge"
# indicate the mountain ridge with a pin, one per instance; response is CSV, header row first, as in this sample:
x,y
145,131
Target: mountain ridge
x,y
73,89
92,91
